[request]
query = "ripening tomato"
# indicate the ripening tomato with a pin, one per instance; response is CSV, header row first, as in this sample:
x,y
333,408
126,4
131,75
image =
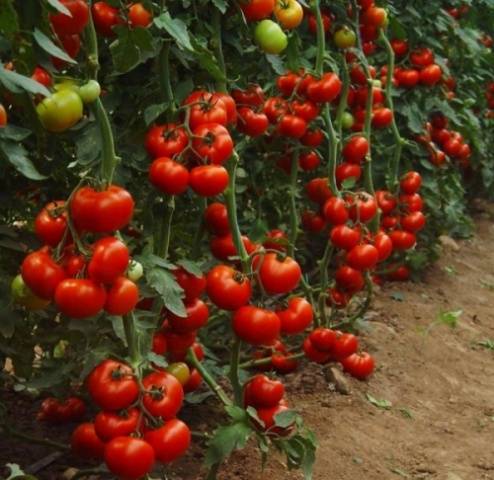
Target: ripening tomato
x,y
61,111
356,149
166,140
109,425
216,218
257,9
345,237
22,295
122,297
345,38
105,17
180,370
213,143
326,89
413,222
80,297
318,190
279,275
335,211
374,16
262,392
384,246
313,354
168,176
129,458
194,381
422,57
85,443
139,16
345,344
349,279
197,314
402,240
270,37
192,285
362,257
252,123
227,288
208,180
289,13
3,116
169,441
296,317
164,394
358,365
256,326
51,223
101,211
75,23
42,274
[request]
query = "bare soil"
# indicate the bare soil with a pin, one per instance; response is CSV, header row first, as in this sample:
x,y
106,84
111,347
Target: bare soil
x,y
439,380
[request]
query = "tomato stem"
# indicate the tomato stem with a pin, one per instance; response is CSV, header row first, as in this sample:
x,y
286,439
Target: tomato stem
x,y
294,217
332,151
131,338
220,84
323,272
267,360
166,228
321,37
343,104
234,367
164,77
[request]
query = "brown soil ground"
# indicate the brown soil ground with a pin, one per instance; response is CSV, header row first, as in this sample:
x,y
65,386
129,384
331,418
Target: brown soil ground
x,y
440,385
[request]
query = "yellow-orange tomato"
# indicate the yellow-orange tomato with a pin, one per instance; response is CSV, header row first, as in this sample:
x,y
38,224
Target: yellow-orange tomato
x,y
3,116
139,16
289,13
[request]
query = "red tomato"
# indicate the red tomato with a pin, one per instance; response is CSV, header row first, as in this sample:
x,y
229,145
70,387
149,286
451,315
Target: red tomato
x,y
431,75
292,126
312,23
109,425
253,96
40,75
358,76
309,161
207,109
262,392
166,140
356,149
194,381
112,386
400,47
103,211
216,218
326,89
438,120
345,344
192,285
227,288
139,16
358,365
288,82
69,25
402,240
349,279
297,317
400,274
169,441
230,106
412,203
42,274
197,316
72,263
363,209
384,246
164,394
252,123
267,416
79,297
168,176
224,248
305,109
362,257
159,343
452,147
323,339
411,182
413,222
257,9
375,16
382,117
178,344
109,260
337,298
256,326
407,78
313,354
282,363
51,223
276,240
312,138
208,180
345,237
386,201
335,211
129,458
346,171
422,57
105,17
312,222
85,443
318,190
274,108
279,275
122,297
213,143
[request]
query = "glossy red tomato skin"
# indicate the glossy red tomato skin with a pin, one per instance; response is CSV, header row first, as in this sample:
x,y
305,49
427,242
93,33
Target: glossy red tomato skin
x,y
42,274
262,392
104,211
402,240
337,298
318,190
323,339
40,75
305,109
159,343
256,326
208,180
313,354
167,140
312,138
356,149
216,218
109,260
222,247
422,57
335,211
129,458
279,275
345,344
122,297
139,16
51,223
326,89
208,110
362,257
431,75
347,170
349,279
364,208
165,394
400,47
230,106
105,17
411,203
192,285
296,317
213,143
413,222
80,297
382,117
85,443
109,425
276,239
197,316
312,222
359,365
112,386
194,381
267,415
227,288
411,182
257,9
292,126
178,344
282,363
384,246
345,237
386,201
169,441
69,25
274,108
252,123
168,176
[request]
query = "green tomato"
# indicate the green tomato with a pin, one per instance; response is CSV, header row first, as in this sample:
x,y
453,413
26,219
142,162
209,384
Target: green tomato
x,y
90,91
180,371
377,83
61,111
347,120
345,38
270,37
22,295
135,271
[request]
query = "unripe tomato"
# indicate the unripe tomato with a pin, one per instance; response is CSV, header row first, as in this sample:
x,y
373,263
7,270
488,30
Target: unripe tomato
x,y
270,37
289,13
135,271
180,370
345,38
347,120
22,295
61,111
90,91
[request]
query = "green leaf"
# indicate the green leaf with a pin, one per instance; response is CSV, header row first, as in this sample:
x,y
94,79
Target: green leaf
x,y
16,154
221,5
60,7
277,63
16,83
397,296
9,20
118,328
285,418
152,112
131,48
226,439
190,267
379,403
12,132
15,471
406,413
207,60
164,283
449,318
158,360
488,343
48,46
176,28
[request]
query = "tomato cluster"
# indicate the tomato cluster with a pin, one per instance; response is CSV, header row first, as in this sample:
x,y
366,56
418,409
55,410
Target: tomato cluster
x,y
106,17
54,411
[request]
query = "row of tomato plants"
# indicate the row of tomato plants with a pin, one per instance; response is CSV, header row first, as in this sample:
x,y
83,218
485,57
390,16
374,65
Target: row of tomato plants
x,y
304,187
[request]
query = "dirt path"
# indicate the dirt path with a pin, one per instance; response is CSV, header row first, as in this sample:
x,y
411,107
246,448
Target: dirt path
x,y
440,385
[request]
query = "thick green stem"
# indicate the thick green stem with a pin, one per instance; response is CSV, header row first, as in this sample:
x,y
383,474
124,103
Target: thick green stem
x,y
92,48
321,37
131,338
343,103
213,472
220,84
208,378
166,228
294,218
231,205
164,76
234,367
332,150
323,274
394,161
266,361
